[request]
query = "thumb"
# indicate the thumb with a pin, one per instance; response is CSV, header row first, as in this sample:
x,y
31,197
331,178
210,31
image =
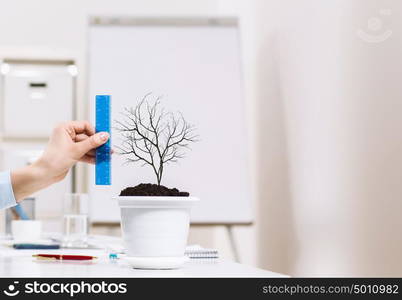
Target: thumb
x,y
92,142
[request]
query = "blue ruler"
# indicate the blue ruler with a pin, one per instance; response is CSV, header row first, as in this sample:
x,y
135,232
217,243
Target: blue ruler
x,y
103,165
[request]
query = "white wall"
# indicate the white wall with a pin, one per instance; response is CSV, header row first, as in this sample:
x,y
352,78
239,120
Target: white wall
x,y
271,239
332,203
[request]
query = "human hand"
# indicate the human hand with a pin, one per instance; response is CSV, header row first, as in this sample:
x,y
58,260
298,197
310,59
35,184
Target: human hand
x,y
69,143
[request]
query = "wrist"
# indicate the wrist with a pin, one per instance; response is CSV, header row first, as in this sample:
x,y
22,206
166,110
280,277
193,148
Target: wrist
x,y
42,172
29,179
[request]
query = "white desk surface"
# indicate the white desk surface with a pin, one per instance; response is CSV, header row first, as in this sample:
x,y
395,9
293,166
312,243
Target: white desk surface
x,y
20,263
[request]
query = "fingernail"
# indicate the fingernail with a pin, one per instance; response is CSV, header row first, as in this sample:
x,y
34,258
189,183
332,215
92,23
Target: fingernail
x,y
104,136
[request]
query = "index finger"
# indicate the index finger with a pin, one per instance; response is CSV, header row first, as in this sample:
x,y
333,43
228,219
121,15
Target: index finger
x,y
82,127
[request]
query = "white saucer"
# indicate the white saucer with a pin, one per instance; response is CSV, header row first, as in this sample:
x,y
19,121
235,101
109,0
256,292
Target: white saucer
x,y
156,263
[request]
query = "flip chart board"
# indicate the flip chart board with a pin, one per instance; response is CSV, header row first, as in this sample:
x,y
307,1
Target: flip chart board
x,y
195,65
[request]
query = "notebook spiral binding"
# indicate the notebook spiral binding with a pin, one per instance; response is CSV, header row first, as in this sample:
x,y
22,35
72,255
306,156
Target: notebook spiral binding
x,y
201,253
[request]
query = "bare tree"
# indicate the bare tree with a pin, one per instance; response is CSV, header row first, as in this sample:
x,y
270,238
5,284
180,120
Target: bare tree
x,y
152,136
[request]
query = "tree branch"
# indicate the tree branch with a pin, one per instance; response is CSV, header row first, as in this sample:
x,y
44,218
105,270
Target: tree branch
x,y
152,136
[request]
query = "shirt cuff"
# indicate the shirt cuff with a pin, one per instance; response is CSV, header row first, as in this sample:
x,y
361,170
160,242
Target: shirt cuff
x,y
7,198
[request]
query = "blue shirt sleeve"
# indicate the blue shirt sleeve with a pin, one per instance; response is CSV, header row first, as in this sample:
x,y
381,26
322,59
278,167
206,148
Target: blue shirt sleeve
x,y
7,198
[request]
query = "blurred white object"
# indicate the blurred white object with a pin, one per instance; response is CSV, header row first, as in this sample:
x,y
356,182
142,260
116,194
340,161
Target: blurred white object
x,y
159,263
155,227
36,97
75,220
48,202
26,230
196,251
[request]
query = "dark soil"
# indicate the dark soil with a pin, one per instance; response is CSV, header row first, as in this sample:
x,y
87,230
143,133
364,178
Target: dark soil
x,y
148,189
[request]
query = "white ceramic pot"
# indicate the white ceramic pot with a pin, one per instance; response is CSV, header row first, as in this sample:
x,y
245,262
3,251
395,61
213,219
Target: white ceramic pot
x,y
155,226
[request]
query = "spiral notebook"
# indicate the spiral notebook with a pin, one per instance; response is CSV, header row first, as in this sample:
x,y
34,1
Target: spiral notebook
x,y
196,251
192,251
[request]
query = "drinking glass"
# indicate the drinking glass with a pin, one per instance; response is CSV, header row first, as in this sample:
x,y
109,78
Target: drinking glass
x,y
75,221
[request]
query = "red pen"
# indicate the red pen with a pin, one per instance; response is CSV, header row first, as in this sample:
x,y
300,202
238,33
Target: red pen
x,y
63,257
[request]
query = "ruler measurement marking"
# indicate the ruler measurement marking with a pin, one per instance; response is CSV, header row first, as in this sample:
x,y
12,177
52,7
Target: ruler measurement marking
x,y
103,155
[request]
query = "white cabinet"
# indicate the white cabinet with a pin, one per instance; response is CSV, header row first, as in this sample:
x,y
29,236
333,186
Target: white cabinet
x,y
36,96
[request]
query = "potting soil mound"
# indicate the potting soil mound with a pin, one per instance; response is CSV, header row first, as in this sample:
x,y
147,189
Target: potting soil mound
x,y
148,189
